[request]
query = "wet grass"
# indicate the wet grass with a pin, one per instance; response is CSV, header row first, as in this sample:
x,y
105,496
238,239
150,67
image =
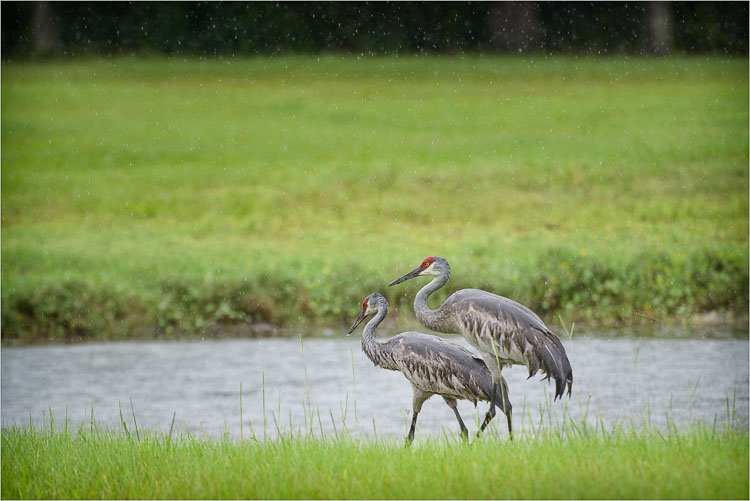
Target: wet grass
x,y
147,197
94,463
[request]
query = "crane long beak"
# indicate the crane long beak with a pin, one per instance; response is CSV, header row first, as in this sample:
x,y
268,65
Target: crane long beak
x,y
358,321
413,273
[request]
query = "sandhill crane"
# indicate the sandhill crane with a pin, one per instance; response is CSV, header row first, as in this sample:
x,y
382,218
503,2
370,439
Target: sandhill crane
x,y
432,365
504,331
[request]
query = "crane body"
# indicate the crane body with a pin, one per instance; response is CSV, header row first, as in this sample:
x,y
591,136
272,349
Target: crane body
x,y
433,366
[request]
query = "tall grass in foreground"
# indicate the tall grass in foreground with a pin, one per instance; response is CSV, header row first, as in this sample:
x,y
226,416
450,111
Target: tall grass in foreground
x,y
91,462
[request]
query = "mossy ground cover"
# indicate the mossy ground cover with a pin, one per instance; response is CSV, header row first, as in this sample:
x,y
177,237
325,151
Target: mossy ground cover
x,y
147,197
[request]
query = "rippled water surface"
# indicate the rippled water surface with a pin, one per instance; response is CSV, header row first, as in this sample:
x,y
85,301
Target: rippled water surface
x,y
198,383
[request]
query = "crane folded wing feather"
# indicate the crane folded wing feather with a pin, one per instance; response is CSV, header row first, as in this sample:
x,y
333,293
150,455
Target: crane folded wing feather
x,y
519,335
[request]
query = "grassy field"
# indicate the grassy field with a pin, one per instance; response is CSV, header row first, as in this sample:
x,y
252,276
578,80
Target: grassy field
x,y
149,197
699,463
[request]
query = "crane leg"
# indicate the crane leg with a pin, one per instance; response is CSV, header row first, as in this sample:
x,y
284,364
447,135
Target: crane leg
x,y
510,426
491,411
417,400
505,406
410,437
453,405
464,431
487,418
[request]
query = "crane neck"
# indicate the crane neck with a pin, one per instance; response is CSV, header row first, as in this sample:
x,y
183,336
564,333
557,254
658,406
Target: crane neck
x,y
374,349
428,317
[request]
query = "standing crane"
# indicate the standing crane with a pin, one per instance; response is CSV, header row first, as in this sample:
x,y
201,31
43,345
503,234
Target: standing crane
x,y
432,365
504,331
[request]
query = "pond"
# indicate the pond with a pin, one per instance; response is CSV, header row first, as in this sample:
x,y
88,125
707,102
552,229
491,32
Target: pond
x,y
198,384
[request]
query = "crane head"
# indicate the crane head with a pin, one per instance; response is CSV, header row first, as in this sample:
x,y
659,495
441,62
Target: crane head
x,y
371,304
433,266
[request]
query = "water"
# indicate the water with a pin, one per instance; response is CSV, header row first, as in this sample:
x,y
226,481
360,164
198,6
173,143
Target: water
x,y
198,383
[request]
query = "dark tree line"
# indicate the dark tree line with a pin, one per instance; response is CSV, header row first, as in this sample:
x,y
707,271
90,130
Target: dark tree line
x,y
39,29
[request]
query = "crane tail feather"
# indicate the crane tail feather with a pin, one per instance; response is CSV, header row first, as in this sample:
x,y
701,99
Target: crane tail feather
x,y
553,361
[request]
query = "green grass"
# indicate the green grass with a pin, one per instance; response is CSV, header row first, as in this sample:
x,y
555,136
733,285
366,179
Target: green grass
x,y
699,463
145,196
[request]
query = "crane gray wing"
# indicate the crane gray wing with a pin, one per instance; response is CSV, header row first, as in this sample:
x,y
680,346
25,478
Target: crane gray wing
x,y
446,367
517,331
